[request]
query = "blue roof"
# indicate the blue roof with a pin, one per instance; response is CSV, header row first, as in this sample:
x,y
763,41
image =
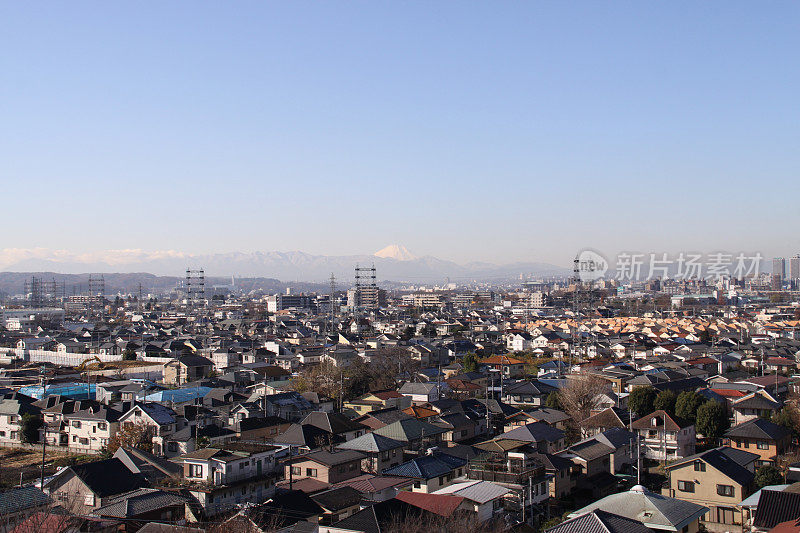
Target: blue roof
x,y
178,395
72,391
427,467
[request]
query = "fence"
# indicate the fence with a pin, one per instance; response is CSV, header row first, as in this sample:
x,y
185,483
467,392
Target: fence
x,y
50,448
56,358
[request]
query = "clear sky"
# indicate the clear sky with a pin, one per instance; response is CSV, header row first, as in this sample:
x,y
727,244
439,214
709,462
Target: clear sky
x,y
496,131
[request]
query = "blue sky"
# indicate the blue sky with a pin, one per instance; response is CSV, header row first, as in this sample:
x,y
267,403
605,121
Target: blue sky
x,y
495,131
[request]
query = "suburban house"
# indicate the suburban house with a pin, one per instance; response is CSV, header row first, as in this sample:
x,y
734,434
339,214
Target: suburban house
x,y
758,404
82,488
654,511
421,393
718,479
380,452
224,476
430,472
160,420
483,498
760,436
541,436
13,407
326,466
372,401
187,368
664,436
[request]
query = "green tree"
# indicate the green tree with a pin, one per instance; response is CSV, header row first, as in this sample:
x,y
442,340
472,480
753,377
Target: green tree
x,y
768,475
712,420
665,400
552,401
30,428
789,418
642,400
687,404
129,354
470,362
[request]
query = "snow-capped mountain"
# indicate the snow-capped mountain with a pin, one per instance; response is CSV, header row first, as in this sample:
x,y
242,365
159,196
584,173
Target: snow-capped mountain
x,y
395,251
393,263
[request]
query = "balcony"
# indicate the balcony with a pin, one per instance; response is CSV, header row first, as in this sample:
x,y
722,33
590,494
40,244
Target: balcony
x,y
508,472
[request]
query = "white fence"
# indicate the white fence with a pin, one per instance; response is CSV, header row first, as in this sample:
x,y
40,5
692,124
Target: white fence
x,y
56,358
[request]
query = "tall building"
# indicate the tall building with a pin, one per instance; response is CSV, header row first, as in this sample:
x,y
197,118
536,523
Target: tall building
x,y
794,271
778,273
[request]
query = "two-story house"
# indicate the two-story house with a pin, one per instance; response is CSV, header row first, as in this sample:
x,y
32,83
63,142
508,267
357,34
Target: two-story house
x,y
222,477
430,472
325,466
380,452
187,368
664,436
718,479
760,436
160,419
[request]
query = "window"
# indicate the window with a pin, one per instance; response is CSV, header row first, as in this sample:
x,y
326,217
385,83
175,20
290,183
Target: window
x,y
746,444
172,446
441,480
296,471
76,423
725,515
763,445
699,466
686,486
241,466
195,470
311,472
725,490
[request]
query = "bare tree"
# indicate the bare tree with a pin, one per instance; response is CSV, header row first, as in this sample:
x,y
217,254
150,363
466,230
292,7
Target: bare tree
x,y
133,435
580,395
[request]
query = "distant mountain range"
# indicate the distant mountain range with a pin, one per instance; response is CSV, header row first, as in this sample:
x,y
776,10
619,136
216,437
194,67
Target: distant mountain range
x,y
393,263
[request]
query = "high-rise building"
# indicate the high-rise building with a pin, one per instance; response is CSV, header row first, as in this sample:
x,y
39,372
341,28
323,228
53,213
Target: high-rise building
x,y
778,273
794,271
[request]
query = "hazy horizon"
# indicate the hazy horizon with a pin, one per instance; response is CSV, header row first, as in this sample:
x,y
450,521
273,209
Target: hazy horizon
x,y
500,132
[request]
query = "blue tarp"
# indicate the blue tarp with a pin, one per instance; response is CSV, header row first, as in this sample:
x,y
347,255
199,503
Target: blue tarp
x,y
72,391
178,395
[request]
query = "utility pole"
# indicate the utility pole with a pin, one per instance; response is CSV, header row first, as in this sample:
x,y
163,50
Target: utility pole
x,y
43,381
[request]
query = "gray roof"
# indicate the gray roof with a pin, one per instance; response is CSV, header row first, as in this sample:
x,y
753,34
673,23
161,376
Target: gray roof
x,y
371,442
409,429
599,521
138,502
758,428
535,432
652,510
21,499
476,491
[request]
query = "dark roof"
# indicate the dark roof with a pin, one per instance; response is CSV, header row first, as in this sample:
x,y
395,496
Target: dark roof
x,y
335,423
730,461
427,466
758,428
139,502
21,499
775,507
599,521
371,443
307,435
339,498
535,432
329,458
108,477
606,418
286,507
381,515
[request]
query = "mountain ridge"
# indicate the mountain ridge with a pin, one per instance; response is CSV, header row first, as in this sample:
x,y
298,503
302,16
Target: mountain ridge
x,y
285,266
